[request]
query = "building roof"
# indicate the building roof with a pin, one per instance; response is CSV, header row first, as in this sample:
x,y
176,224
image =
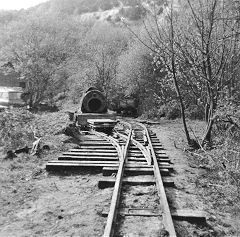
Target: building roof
x,y
10,89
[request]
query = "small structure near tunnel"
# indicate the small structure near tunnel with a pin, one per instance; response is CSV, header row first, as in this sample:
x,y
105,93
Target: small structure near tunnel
x,y
93,111
93,101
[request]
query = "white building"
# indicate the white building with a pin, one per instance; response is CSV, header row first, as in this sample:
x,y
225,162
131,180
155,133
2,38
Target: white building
x,y
10,96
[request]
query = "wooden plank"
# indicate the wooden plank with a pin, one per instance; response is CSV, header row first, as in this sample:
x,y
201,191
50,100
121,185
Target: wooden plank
x,y
89,154
135,212
161,159
66,166
164,159
189,215
83,162
164,164
110,147
158,148
134,152
98,143
110,181
135,155
185,215
91,140
104,120
162,156
80,158
108,171
93,150
137,163
136,159
160,152
102,126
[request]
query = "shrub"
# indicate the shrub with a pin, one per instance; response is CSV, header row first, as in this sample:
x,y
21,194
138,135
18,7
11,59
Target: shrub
x,y
171,110
152,113
15,128
195,112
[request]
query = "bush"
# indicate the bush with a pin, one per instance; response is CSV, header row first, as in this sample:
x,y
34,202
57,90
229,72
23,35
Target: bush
x,y
195,112
15,129
171,110
224,158
152,113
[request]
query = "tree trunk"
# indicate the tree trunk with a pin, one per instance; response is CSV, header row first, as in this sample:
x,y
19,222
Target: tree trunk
x,y
182,109
189,140
208,134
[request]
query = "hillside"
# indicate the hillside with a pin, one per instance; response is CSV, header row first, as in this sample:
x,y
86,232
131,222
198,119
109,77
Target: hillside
x,y
110,10
98,9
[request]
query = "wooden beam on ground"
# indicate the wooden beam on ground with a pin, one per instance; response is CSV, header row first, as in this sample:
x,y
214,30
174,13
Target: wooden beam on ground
x,y
189,215
182,215
136,212
110,147
89,158
90,154
66,166
93,150
110,181
108,171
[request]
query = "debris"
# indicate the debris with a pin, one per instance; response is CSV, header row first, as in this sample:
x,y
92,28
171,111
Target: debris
x,y
35,147
13,154
10,155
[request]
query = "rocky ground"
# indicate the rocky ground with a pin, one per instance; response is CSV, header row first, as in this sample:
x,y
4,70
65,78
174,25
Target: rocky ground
x,y
36,203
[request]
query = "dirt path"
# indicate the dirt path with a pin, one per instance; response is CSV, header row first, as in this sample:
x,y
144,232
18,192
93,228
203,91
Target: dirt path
x,y
188,194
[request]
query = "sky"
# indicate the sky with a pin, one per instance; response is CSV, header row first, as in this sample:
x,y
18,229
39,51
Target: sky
x,y
18,4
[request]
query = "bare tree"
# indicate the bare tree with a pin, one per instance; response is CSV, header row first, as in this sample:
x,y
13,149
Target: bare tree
x,y
198,44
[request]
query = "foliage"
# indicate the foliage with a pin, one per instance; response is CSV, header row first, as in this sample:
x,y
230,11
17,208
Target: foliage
x,y
195,112
8,16
137,78
59,55
103,44
170,110
39,49
197,43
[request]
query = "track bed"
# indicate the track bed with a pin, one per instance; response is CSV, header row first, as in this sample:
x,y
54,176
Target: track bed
x,y
134,162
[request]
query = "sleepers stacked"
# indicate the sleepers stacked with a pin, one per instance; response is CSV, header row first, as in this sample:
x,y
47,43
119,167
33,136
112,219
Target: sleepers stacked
x,y
92,152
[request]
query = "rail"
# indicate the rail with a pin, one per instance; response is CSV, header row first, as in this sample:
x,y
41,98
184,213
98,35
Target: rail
x,y
167,218
112,141
112,215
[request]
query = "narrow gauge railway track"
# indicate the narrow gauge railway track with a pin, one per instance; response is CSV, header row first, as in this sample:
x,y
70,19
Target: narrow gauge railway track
x,y
137,158
139,166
